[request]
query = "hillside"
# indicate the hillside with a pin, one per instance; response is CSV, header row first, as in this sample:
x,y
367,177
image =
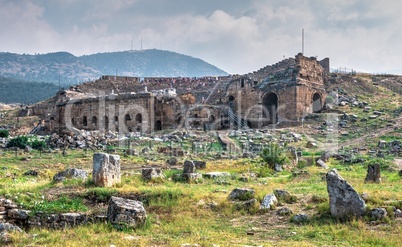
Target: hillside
x,y
69,69
20,91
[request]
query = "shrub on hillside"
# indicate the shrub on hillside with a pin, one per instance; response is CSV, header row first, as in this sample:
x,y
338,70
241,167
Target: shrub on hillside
x,y
19,142
4,133
23,141
273,154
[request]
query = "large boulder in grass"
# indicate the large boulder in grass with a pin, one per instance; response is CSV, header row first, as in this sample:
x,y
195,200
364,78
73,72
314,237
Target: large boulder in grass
x,y
126,213
344,201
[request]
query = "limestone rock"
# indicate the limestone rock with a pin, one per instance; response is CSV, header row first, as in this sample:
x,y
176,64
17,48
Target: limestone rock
x,y
378,213
106,169
192,177
71,173
216,174
241,194
247,205
373,174
126,213
9,227
152,173
344,200
284,211
31,173
189,167
19,214
300,218
322,164
200,164
268,201
284,196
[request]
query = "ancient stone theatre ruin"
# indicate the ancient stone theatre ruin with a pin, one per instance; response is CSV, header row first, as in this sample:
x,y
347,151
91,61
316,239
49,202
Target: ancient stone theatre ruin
x,y
281,93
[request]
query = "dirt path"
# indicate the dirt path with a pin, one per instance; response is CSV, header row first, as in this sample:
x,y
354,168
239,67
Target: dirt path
x,y
362,139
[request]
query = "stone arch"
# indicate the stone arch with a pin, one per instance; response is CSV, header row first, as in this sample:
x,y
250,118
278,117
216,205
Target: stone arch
x,y
127,118
94,121
84,121
270,103
138,118
179,119
317,102
211,119
158,125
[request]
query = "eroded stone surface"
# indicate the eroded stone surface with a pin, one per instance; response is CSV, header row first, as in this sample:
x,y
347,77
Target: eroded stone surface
x,y
373,174
126,212
152,173
106,169
71,173
344,201
268,201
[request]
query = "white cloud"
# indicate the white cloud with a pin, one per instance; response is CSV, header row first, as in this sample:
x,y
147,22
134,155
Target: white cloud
x,y
236,36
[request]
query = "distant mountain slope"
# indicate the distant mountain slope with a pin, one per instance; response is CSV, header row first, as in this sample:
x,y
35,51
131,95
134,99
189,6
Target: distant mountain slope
x,y
19,91
69,69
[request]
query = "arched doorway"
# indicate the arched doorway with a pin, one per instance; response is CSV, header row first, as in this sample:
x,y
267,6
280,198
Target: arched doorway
x,y
51,123
158,125
270,108
94,121
138,118
84,121
317,102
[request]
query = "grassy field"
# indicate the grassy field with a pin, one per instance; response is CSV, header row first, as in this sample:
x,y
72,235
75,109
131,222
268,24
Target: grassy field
x,y
180,213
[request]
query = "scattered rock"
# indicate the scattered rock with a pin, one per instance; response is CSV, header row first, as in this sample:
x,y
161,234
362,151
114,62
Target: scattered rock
x,y
373,174
300,218
31,173
172,161
200,164
71,173
242,194
268,201
378,213
216,174
189,167
284,211
278,167
152,173
126,213
284,196
343,198
322,164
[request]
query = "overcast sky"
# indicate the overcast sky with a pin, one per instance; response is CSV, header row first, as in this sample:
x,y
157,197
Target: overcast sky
x,y
238,36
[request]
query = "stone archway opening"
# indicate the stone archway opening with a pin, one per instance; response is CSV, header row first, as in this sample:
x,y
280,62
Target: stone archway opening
x,y
158,125
270,108
138,118
317,102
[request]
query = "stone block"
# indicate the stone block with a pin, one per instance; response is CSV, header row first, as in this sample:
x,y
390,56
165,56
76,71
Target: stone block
x,y
106,169
373,174
189,167
152,173
126,213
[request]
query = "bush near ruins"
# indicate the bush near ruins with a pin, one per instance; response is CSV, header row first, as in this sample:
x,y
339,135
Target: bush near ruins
x,y
4,133
23,141
273,154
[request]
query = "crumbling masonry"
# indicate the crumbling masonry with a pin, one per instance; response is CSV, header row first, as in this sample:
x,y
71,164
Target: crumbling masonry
x,y
282,93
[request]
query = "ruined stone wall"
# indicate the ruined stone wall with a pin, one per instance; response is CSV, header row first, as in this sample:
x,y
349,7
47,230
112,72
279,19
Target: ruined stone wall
x,y
124,113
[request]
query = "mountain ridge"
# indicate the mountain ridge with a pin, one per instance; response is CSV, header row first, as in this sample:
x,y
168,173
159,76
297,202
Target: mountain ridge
x,y
65,68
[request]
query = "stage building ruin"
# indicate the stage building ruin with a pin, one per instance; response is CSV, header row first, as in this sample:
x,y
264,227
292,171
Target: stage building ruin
x,y
281,93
